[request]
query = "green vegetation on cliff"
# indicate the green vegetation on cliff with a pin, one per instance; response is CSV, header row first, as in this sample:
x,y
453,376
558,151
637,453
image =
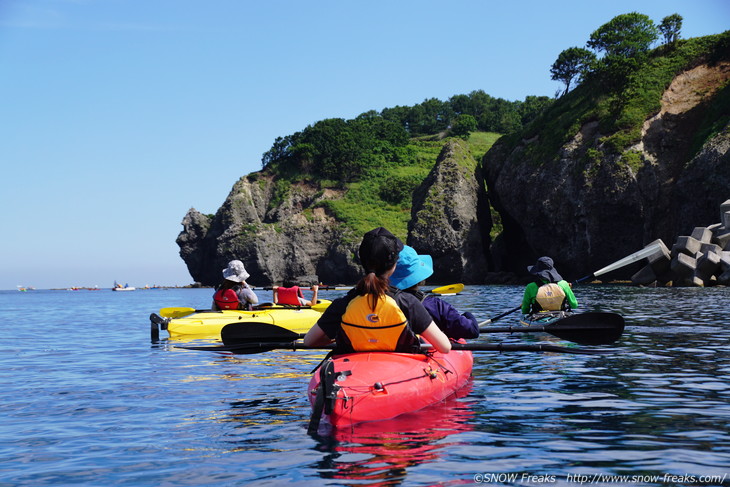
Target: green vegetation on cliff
x,y
378,159
621,108
382,196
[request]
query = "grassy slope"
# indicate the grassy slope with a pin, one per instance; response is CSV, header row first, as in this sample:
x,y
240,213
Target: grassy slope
x,y
622,114
363,208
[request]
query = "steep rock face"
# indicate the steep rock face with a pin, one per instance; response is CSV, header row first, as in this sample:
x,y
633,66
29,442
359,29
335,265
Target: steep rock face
x,y
275,235
280,233
445,217
588,211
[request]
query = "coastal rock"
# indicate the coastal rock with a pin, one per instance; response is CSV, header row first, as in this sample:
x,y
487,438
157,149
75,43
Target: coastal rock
x,y
445,217
589,206
277,231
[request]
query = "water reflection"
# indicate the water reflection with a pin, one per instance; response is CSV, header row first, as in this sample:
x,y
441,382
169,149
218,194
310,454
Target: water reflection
x,y
660,404
383,452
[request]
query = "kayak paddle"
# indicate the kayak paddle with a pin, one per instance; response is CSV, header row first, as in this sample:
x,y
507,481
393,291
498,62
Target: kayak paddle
x,y
260,337
178,312
583,328
259,347
448,289
495,318
630,259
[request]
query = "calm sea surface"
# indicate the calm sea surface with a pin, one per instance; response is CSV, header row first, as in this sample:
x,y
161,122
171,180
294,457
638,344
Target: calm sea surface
x,y
88,399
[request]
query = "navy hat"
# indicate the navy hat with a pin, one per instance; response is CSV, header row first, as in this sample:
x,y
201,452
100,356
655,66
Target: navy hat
x,y
411,268
379,250
544,269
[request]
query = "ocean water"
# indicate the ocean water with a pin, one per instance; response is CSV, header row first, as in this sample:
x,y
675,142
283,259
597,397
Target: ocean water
x,y
88,399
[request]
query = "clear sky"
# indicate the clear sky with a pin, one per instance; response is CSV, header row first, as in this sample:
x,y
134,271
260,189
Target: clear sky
x,y
117,116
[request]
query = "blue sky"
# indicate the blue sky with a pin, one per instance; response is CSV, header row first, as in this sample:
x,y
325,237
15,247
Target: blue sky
x,y
119,115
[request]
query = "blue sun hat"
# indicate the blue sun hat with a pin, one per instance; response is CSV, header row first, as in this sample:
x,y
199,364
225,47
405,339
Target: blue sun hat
x,y
411,268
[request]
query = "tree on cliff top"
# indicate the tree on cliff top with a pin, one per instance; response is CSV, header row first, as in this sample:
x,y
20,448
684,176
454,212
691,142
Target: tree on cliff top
x,y
625,41
670,27
625,35
572,64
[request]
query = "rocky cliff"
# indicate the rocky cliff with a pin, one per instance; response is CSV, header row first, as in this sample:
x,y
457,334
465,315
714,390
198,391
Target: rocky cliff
x,y
445,217
275,237
279,234
586,201
591,206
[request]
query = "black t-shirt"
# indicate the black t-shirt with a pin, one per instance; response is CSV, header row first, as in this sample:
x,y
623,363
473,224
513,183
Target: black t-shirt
x,y
418,317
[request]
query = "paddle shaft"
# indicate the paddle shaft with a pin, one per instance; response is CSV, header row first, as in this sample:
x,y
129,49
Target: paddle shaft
x,y
258,347
495,318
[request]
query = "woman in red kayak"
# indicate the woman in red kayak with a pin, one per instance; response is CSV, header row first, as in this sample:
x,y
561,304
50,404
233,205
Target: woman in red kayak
x,y
374,316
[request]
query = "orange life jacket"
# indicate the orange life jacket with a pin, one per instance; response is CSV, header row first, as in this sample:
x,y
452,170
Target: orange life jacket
x,y
384,328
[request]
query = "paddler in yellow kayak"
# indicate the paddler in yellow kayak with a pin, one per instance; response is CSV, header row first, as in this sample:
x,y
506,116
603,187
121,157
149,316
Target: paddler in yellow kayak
x,y
374,316
233,292
291,294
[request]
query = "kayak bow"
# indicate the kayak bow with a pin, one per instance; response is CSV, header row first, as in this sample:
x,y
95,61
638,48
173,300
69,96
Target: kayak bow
x,y
208,323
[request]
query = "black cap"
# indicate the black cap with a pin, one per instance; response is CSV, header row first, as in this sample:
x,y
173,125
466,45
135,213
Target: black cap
x,y
379,250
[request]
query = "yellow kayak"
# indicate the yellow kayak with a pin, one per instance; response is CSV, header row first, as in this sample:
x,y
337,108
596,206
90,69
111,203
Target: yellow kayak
x,y
191,323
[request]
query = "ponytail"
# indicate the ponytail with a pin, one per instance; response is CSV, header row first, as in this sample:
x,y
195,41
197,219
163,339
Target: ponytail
x,y
373,285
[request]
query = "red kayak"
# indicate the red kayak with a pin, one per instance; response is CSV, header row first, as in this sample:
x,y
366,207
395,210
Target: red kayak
x,y
373,386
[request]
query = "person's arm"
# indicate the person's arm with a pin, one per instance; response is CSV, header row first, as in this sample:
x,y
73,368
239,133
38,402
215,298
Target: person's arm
x,y
316,337
437,338
248,295
572,301
528,297
450,321
315,288
276,294
330,321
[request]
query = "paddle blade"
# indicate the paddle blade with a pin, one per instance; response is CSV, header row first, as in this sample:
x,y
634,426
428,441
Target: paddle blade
x,y
450,289
176,312
528,347
589,328
635,257
246,333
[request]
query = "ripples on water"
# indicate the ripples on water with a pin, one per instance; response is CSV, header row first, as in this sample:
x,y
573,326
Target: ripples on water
x,y
88,400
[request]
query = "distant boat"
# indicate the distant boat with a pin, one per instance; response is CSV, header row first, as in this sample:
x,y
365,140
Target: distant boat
x,y
119,287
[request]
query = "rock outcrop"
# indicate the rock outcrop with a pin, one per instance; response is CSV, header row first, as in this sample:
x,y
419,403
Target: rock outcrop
x,y
590,207
587,204
275,234
280,233
445,217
